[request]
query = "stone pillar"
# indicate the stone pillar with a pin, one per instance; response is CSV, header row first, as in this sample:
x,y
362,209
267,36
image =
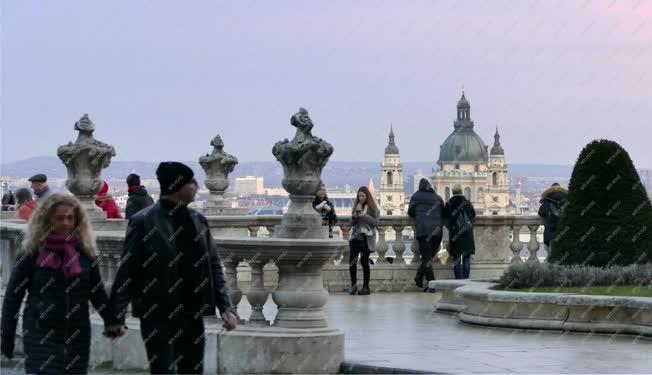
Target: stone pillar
x,y
84,161
231,276
399,245
253,231
381,246
270,230
257,295
416,251
346,234
217,167
533,244
516,244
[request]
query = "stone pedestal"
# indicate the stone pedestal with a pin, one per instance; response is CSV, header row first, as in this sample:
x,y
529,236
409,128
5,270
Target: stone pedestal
x,y
280,351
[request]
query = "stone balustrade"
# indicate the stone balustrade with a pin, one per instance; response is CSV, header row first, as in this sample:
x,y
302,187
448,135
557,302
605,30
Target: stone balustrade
x,y
496,247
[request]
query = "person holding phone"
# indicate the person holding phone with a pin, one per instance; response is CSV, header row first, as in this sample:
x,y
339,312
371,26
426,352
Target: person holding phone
x,y
364,221
326,209
59,271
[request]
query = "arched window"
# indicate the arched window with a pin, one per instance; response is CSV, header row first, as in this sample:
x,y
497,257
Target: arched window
x,y
389,213
448,193
467,193
494,179
495,213
390,178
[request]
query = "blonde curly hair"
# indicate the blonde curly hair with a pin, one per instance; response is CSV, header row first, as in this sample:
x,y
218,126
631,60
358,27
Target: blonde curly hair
x,y
39,225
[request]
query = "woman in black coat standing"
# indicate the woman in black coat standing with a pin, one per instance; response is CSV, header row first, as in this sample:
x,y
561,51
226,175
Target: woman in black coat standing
x,y
60,273
459,215
326,209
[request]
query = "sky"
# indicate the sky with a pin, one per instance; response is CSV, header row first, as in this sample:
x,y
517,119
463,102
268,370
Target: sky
x,y
161,78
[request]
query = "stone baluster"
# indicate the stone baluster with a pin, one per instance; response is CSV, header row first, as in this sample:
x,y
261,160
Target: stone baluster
x,y
516,244
450,260
257,295
346,235
253,230
399,245
416,251
381,246
231,276
533,244
270,230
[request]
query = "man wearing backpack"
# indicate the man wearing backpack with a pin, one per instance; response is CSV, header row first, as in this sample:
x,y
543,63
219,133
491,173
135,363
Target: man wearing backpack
x,y
459,215
552,201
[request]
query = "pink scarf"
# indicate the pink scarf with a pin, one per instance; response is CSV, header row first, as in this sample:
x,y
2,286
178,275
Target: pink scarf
x,y
60,252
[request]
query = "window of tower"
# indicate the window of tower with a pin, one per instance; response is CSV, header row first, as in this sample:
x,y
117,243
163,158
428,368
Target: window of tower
x,y
390,178
389,213
494,179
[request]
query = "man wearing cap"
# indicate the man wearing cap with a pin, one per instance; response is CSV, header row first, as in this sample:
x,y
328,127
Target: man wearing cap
x,y
138,197
172,275
40,187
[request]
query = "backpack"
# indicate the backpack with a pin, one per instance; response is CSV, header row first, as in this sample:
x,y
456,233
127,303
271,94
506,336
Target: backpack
x,y
461,223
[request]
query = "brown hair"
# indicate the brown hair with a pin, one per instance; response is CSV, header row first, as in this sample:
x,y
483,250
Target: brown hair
x,y
370,202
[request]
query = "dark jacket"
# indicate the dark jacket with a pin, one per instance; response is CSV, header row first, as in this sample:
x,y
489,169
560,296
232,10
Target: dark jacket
x,y
329,216
138,200
553,195
150,269
56,324
461,243
426,207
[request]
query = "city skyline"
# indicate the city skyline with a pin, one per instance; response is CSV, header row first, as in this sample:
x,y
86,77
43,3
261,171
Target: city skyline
x,y
552,77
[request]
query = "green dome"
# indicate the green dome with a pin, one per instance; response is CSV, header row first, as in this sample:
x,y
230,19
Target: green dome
x,y
463,145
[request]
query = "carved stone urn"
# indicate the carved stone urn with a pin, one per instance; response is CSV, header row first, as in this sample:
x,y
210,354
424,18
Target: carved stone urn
x,y
217,165
84,161
303,159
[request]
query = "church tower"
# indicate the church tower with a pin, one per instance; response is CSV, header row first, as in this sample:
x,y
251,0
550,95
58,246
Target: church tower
x,y
392,192
497,193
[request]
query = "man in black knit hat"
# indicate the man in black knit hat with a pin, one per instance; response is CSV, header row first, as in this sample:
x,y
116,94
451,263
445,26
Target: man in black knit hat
x,y
171,274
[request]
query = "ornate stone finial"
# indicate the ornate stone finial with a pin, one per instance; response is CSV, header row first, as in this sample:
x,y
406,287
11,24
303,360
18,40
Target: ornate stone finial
x,y
84,161
303,159
217,165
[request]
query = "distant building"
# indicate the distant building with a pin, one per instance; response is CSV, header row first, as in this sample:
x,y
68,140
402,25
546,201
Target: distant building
x,y
392,191
249,185
465,159
416,178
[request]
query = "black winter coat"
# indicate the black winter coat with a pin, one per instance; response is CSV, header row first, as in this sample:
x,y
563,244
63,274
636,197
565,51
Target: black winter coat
x,y
150,267
329,216
138,200
459,243
56,324
552,195
426,207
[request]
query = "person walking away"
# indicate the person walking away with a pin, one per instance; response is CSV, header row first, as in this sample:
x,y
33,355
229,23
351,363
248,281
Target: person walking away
x,y
552,202
172,276
326,209
59,271
364,220
426,208
40,187
26,204
459,215
106,202
138,196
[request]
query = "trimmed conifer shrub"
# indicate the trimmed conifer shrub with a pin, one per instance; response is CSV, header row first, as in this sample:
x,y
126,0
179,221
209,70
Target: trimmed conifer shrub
x,y
607,219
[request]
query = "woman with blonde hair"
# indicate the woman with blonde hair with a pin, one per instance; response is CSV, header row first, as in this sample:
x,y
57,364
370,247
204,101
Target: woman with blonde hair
x,y
60,273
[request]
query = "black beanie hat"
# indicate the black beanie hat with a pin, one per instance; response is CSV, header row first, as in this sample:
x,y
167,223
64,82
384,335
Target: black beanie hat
x,y
133,180
172,175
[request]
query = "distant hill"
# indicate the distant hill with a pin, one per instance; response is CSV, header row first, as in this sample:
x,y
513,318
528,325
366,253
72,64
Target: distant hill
x,y
335,174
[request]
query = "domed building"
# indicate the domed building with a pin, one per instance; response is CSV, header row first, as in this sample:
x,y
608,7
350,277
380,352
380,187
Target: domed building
x,y
465,159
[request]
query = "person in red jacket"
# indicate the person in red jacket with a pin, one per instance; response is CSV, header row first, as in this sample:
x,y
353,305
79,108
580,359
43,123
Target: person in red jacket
x,y
26,204
105,201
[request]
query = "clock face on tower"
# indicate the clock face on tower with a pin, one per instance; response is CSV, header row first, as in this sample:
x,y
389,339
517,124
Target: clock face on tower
x,y
389,198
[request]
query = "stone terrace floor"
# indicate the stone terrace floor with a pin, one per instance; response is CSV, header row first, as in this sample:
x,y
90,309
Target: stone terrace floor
x,y
401,330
